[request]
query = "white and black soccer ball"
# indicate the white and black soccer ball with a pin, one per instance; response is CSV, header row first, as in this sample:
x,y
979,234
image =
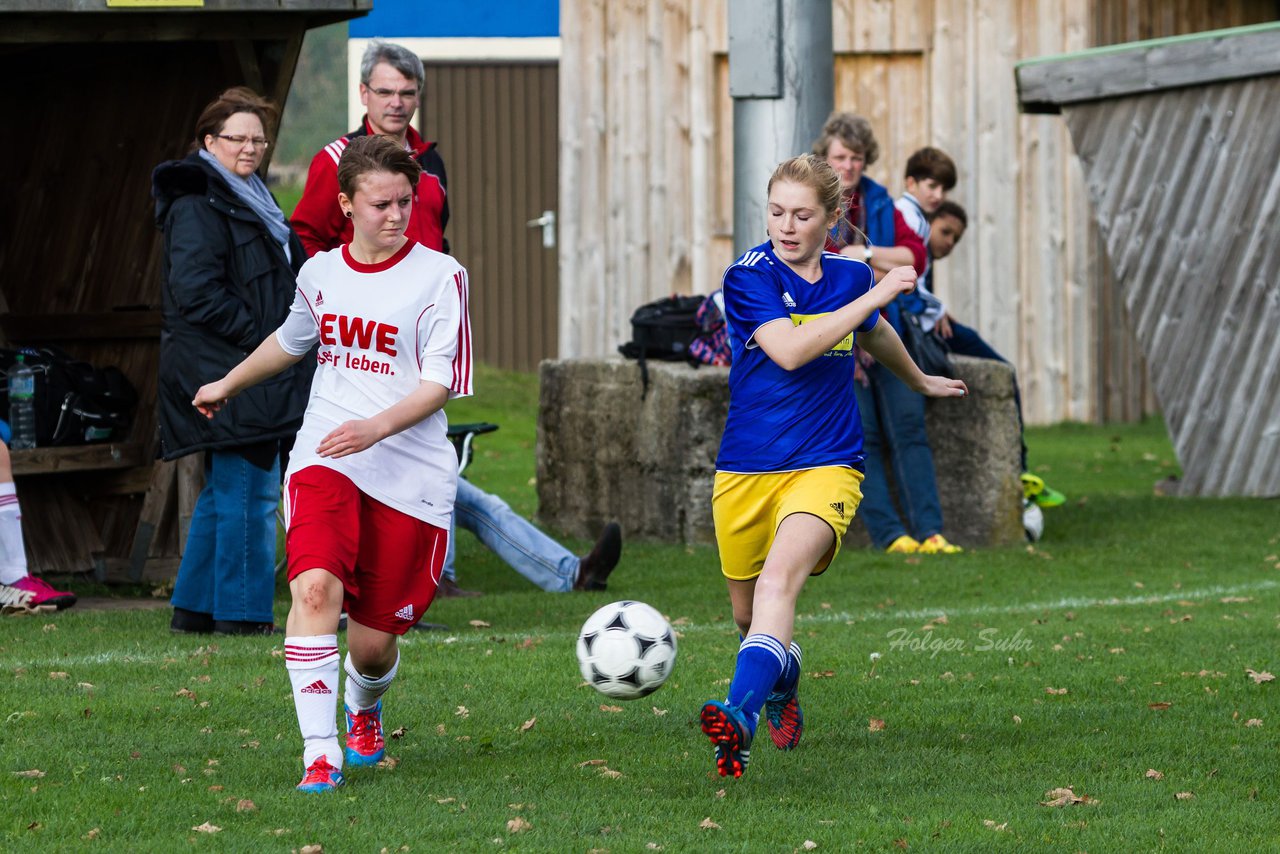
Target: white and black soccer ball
x,y
1032,520
626,650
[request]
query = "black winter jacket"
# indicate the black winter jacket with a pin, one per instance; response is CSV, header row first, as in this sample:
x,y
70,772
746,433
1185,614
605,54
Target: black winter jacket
x,y
227,286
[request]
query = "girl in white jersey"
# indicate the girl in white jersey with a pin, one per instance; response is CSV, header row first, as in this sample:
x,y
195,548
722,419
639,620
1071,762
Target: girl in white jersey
x,y
371,481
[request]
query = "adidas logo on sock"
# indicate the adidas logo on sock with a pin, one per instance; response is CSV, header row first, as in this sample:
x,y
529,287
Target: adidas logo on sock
x,y
405,613
317,687
837,506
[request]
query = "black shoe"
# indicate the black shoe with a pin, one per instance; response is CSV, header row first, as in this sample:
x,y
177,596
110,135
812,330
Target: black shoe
x,y
186,622
243,627
595,566
450,590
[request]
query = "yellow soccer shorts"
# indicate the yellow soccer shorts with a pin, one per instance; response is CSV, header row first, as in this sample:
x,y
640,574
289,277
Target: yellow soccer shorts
x,y
748,508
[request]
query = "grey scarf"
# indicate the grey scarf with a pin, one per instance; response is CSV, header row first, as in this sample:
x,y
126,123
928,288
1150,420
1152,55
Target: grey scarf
x,y
253,192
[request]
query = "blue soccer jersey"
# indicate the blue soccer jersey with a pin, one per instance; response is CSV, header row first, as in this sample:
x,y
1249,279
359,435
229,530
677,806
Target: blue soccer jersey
x,y
790,420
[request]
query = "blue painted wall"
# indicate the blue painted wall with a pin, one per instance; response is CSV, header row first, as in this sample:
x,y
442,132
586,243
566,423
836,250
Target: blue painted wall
x,y
453,19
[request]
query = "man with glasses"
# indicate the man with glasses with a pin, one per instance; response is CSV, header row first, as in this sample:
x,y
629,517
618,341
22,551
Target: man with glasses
x,y
390,88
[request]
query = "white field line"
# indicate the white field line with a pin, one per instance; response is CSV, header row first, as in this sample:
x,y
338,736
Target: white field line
x,y
482,636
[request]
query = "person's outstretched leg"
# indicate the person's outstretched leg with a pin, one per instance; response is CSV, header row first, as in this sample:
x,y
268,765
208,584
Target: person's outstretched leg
x,y
311,657
515,539
765,612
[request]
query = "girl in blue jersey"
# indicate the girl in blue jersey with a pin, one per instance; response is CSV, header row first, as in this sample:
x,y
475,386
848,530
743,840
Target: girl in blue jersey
x,y
790,464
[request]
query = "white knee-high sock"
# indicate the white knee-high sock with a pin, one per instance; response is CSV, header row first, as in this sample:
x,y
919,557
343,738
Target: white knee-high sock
x,y
363,692
13,554
312,662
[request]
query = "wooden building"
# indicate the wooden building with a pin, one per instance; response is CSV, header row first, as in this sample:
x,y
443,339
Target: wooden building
x,y
1179,145
646,169
98,92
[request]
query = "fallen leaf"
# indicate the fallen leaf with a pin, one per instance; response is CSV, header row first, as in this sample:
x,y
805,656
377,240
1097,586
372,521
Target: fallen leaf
x,y
528,725
314,848
1153,774
708,824
33,774
825,674
720,793
35,825
1017,719
479,624
446,800
185,692
206,828
1259,678
1055,690
58,674
610,773
1064,798
1184,796
809,845
611,708
875,725
592,762
93,834
1159,707
462,712
88,686
997,827
388,763
1253,722
653,846
398,732
245,805
659,712
518,825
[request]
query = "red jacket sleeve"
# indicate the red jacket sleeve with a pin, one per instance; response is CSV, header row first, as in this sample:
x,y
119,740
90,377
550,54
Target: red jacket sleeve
x,y
904,236
317,218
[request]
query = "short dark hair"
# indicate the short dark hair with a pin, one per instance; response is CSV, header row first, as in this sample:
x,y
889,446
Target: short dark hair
x,y
237,99
951,209
932,163
374,153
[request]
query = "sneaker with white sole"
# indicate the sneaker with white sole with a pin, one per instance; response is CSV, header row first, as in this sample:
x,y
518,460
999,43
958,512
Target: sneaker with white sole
x,y
33,594
729,731
321,777
365,744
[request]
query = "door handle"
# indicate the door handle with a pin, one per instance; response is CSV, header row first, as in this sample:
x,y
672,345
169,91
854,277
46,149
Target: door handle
x,y
547,222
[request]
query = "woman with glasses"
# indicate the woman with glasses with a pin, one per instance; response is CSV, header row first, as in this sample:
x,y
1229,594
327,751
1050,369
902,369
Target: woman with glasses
x,y
230,263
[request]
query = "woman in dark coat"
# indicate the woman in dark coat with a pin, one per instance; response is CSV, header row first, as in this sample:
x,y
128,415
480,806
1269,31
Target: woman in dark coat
x,y
230,262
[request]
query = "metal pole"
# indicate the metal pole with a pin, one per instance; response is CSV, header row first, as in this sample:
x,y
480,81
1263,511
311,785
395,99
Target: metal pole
x,y
781,78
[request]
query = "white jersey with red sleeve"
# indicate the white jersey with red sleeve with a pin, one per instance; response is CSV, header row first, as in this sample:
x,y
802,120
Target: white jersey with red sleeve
x,y
382,329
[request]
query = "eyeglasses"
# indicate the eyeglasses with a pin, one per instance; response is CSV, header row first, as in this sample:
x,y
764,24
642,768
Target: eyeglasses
x,y
239,141
406,94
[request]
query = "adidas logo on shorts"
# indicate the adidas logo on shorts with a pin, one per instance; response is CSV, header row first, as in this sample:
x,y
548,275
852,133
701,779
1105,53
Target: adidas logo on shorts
x,y
837,506
316,687
405,613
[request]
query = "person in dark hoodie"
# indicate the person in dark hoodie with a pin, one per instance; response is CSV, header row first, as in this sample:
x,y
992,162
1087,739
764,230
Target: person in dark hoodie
x,y
230,263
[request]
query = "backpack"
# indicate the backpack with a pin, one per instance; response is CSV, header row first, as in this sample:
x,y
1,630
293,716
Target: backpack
x,y
75,402
711,345
662,329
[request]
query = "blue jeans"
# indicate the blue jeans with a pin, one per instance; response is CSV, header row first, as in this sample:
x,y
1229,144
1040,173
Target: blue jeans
x,y
894,434
965,341
228,565
511,537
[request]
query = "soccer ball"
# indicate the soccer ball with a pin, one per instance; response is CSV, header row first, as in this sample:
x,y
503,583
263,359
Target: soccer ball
x,y
1032,520
626,650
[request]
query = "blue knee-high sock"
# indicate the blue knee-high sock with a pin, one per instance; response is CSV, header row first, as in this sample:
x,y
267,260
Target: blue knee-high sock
x,y
790,674
760,662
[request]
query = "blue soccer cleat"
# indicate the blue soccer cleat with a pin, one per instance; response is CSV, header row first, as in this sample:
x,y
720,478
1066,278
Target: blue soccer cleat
x,y
365,745
729,731
321,777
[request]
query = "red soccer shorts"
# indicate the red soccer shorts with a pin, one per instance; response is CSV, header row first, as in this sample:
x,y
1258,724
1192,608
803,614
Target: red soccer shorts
x,y
388,562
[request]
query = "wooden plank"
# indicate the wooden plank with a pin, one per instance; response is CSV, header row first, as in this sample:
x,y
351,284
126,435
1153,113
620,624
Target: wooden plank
x,y
1046,84
76,458
164,479
190,482
80,326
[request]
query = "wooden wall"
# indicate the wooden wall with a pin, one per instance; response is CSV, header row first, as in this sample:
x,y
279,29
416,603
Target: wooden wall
x,y
646,169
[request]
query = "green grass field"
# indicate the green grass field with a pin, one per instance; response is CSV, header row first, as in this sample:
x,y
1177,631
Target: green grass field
x,y
1112,658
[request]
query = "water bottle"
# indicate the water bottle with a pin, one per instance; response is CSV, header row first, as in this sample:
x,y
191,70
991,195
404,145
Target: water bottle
x,y
22,405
